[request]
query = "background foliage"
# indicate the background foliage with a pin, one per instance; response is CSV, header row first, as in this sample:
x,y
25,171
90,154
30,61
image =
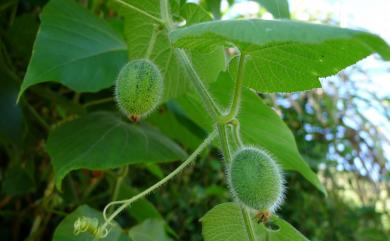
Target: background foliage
x,y
341,144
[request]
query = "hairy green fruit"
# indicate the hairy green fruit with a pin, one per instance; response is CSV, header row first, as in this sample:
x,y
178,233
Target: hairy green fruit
x,y
256,180
139,88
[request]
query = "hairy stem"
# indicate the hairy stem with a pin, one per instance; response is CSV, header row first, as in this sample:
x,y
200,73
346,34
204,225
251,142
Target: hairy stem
x,y
235,123
166,14
228,158
223,137
212,107
216,114
248,223
235,105
128,5
126,203
152,42
208,101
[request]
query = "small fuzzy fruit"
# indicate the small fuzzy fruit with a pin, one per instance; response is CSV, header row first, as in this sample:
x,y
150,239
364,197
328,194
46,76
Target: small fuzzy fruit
x,y
256,180
138,88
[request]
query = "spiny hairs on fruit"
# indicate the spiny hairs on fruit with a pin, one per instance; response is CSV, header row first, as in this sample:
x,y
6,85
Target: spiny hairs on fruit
x,y
138,88
255,179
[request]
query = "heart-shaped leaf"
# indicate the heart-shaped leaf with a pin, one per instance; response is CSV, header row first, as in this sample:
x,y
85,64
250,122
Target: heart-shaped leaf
x,y
103,140
283,55
226,222
75,48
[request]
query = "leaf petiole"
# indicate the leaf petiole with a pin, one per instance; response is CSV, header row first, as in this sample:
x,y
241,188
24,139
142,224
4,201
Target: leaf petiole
x,y
152,41
210,104
235,106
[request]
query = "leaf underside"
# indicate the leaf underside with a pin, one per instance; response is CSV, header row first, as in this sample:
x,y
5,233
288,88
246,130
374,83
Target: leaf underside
x,y
283,55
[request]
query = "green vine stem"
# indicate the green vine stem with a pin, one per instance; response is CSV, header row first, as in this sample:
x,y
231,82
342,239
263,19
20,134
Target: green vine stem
x,y
152,42
212,107
248,223
228,158
235,105
223,136
126,203
210,104
128,5
118,183
235,123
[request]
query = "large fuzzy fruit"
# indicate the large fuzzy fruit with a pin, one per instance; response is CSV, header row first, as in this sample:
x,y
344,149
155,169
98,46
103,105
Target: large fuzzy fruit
x,y
256,180
139,88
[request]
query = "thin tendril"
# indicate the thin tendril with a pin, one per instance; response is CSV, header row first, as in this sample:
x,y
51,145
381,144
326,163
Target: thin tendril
x,y
127,202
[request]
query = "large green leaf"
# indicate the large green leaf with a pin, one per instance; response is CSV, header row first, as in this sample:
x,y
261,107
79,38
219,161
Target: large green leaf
x,y
284,56
102,140
149,230
226,222
75,48
260,126
138,32
278,8
193,13
64,231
